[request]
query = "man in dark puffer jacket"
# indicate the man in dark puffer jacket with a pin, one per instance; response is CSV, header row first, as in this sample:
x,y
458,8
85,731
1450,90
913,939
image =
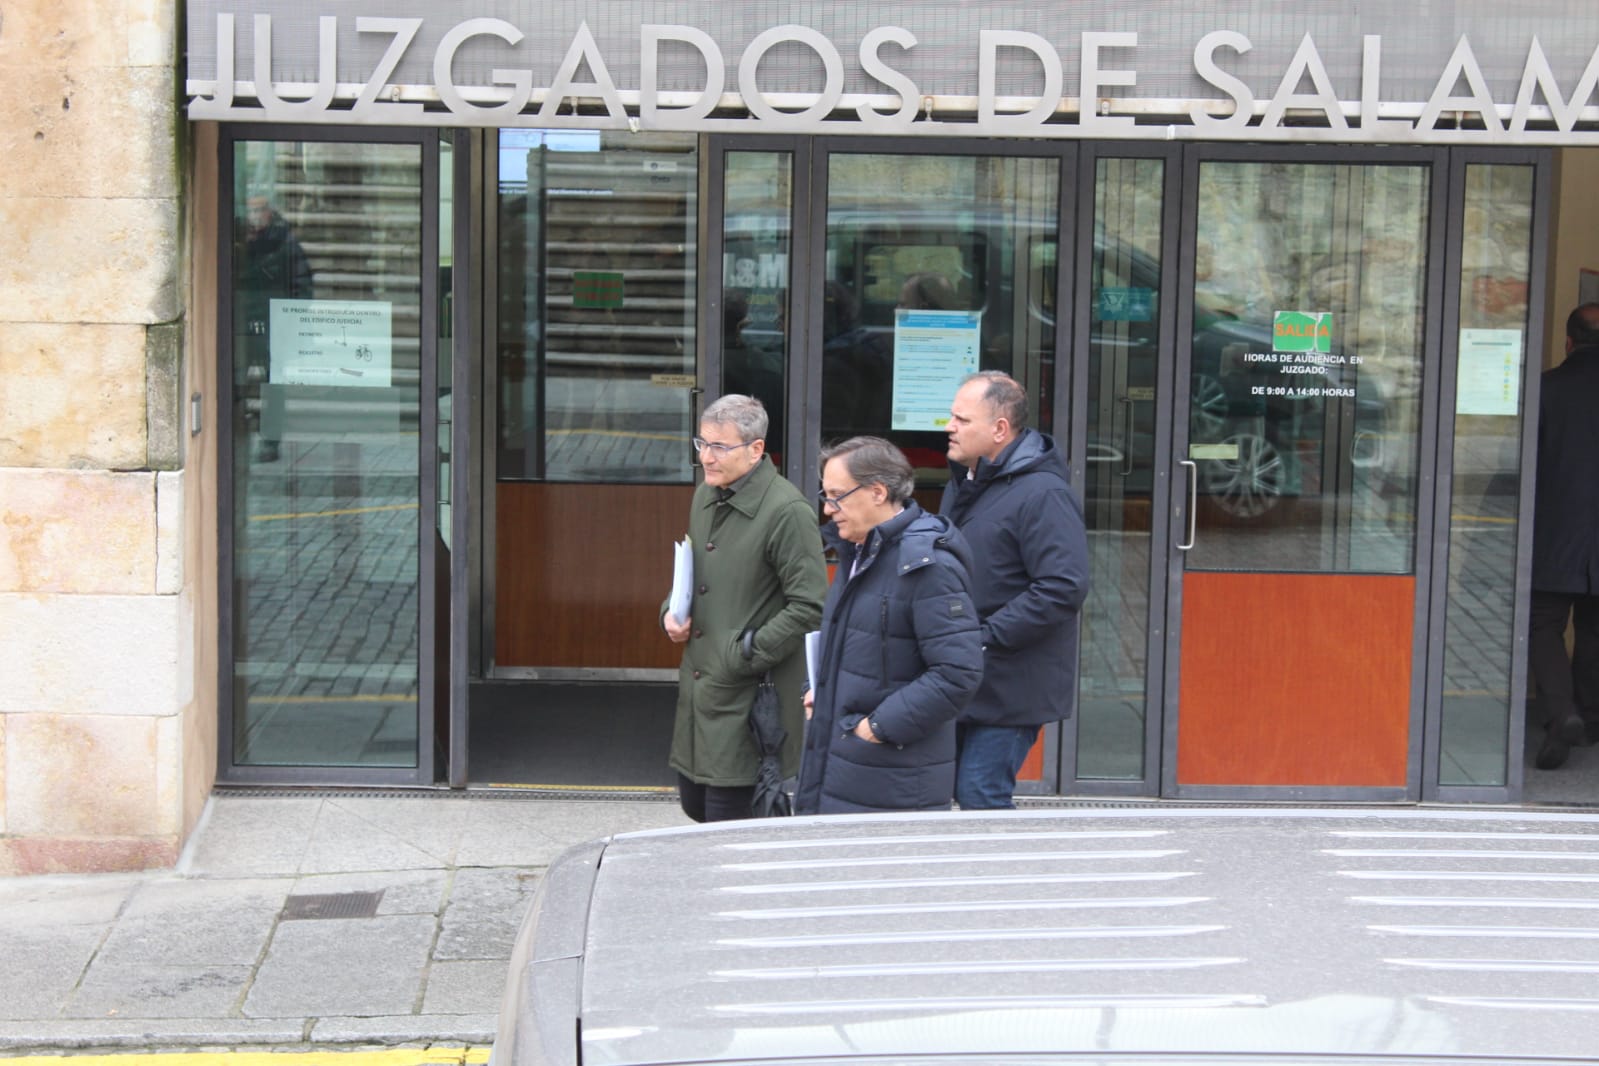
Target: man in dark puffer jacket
x,y
900,654
1009,495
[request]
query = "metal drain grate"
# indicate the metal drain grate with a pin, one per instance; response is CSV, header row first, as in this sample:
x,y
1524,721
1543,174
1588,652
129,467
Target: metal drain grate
x,y
335,905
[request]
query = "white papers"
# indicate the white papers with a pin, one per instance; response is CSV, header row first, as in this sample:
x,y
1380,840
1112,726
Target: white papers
x,y
682,599
813,652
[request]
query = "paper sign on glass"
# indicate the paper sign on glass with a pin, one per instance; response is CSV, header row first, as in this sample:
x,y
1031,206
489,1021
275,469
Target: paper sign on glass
x,y
332,342
934,351
1489,375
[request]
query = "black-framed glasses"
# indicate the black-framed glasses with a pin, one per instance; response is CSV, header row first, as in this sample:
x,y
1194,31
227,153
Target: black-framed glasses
x,y
702,445
837,502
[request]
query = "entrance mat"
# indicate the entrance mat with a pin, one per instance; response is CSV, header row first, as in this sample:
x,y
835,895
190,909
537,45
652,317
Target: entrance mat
x,y
580,736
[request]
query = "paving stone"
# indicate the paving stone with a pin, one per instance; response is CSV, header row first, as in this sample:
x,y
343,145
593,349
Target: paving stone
x,y
471,987
40,967
196,923
365,966
483,914
252,836
146,991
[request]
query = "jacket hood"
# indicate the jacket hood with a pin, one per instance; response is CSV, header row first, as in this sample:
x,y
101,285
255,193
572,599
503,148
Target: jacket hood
x,y
1030,451
909,538
923,533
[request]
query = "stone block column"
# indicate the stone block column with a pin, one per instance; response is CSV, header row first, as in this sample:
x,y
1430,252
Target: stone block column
x,y
98,700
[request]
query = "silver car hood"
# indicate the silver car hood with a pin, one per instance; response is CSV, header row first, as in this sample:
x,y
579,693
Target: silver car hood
x,y
1095,931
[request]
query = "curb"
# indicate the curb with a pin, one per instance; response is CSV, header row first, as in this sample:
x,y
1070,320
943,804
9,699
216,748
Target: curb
x,y
454,1032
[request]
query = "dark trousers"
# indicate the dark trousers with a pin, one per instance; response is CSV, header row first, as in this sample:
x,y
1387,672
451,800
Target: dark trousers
x,y
987,759
714,803
1565,685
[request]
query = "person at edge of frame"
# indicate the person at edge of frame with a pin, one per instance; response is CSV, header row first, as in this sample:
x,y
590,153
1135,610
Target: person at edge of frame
x,y
1565,546
899,653
758,567
1009,493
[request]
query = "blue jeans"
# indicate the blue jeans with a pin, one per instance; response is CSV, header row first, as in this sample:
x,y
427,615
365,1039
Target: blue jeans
x,y
987,758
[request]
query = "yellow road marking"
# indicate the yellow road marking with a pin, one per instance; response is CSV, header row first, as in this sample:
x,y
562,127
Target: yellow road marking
x,y
376,508
434,1056
663,789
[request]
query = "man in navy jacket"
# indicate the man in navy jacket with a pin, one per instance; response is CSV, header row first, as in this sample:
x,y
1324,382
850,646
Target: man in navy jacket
x,y
1565,543
1009,494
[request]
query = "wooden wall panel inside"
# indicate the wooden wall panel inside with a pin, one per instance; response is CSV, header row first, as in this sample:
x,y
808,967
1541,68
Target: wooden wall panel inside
x,y
1295,679
581,571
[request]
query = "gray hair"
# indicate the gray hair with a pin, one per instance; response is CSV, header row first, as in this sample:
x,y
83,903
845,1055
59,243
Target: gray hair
x,y
1004,396
874,461
744,413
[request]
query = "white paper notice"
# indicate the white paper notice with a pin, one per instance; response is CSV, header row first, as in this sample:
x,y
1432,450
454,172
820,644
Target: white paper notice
x,y
681,602
933,352
332,342
1489,381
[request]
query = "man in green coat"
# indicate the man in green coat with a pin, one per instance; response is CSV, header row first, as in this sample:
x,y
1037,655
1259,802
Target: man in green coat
x,y
757,567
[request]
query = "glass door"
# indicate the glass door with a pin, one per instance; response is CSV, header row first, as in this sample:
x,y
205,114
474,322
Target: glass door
x,y
1295,548
329,543
927,268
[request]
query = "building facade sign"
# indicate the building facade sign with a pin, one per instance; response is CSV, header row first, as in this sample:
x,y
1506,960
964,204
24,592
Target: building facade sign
x,y
1475,86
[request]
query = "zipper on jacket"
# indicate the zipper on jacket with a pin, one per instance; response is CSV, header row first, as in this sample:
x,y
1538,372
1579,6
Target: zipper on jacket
x,y
882,644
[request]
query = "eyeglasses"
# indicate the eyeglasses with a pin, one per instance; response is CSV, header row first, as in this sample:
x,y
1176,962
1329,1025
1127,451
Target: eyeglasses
x,y
701,445
837,502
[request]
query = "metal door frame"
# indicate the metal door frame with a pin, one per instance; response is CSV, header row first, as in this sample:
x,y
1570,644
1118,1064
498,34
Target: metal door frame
x,y
1543,209
1161,483
426,141
807,249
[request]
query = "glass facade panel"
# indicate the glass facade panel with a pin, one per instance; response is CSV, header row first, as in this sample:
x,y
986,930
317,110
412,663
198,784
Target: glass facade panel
x,y
936,266
326,310
1124,334
596,317
1495,278
758,208
1309,310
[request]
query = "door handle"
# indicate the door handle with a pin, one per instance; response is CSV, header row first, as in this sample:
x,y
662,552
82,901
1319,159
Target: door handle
x,y
1193,500
1127,435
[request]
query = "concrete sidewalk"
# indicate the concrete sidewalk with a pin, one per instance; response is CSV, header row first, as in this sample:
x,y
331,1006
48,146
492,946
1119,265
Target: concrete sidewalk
x,y
295,920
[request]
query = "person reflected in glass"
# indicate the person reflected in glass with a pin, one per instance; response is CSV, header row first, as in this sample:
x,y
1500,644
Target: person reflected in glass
x,y
928,291
759,581
750,369
272,266
1565,545
900,654
858,365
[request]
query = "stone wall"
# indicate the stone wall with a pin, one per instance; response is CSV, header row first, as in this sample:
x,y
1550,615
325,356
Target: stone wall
x,y
98,702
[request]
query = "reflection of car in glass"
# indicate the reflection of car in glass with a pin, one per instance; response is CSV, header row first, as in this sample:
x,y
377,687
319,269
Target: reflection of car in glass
x,y
883,260
1224,936
1258,421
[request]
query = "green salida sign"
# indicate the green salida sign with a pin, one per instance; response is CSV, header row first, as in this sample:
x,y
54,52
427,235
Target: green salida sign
x,y
1302,331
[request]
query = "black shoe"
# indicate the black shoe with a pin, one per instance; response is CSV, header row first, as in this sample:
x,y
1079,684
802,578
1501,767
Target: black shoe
x,y
1554,752
1570,727
1590,730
